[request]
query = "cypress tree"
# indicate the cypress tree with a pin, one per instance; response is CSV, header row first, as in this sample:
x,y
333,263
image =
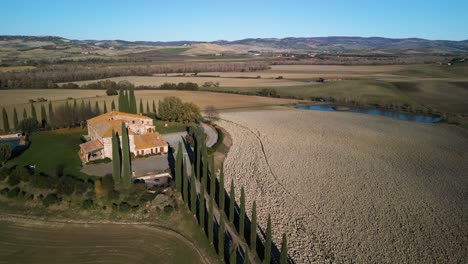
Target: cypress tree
x,y
221,234
147,107
97,111
6,123
205,168
193,192
211,218
126,102
198,156
178,168
126,167
185,183
43,113
141,106
121,100
82,115
221,190
202,205
212,178
51,112
33,112
233,255
75,114
88,107
267,256
232,200
113,105
25,114
246,257
242,214
132,101
116,165
154,107
284,250
105,107
15,119
253,228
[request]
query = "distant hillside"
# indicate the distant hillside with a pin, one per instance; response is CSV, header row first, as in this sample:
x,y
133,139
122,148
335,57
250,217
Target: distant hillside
x,y
33,50
330,44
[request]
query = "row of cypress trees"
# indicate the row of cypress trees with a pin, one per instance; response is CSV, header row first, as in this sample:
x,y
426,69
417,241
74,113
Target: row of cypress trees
x,y
202,169
127,101
121,162
73,114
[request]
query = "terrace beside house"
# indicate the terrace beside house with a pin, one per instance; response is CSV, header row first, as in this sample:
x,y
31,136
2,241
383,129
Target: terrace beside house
x,y
142,135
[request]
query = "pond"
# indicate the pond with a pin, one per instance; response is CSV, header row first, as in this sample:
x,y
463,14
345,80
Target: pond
x,y
12,142
378,112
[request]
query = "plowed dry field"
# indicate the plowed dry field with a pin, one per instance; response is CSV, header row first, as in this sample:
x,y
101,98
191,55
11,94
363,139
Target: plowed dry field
x,y
354,188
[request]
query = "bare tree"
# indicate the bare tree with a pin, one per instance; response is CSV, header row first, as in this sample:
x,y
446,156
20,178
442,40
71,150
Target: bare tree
x,y
211,113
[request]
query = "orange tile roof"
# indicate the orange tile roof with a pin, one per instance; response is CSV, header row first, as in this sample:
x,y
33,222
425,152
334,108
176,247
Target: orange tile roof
x,y
110,115
151,140
91,146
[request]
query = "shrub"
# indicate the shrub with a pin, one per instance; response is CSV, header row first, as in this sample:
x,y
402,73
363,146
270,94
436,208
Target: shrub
x,y
4,191
21,173
87,204
5,153
50,199
65,185
113,195
4,172
13,192
111,91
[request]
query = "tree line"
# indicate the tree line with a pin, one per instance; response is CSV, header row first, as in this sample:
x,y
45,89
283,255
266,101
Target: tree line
x,y
212,185
46,77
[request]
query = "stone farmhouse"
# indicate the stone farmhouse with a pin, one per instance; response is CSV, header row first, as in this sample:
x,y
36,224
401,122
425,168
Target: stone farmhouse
x,y
142,134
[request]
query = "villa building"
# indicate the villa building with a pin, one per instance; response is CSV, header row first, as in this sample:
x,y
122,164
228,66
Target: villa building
x,y
142,134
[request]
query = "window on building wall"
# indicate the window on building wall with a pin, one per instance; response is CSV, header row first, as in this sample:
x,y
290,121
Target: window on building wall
x,y
133,122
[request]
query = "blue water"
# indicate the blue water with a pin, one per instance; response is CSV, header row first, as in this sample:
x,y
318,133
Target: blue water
x,y
377,112
12,142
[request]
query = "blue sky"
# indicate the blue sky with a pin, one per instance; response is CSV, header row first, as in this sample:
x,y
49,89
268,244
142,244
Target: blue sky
x,y
231,20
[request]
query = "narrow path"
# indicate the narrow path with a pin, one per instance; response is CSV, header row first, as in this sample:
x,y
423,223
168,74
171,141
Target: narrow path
x,y
160,228
211,135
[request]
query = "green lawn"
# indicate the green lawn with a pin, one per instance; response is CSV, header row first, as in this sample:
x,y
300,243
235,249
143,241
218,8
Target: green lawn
x,y
373,91
51,149
172,127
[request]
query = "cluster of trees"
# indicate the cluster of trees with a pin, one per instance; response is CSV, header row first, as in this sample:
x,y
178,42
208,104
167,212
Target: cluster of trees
x,y
127,101
47,76
173,109
54,187
189,86
211,185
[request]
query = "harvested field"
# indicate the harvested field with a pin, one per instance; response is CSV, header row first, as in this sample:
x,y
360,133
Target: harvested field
x,y
29,241
354,188
224,82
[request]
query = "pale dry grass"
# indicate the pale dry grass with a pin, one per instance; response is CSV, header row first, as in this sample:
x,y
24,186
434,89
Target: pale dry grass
x,y
19,99
354,188
16,68
224,82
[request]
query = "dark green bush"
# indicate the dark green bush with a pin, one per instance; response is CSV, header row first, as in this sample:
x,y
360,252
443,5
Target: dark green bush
x,y
87,204
50,199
